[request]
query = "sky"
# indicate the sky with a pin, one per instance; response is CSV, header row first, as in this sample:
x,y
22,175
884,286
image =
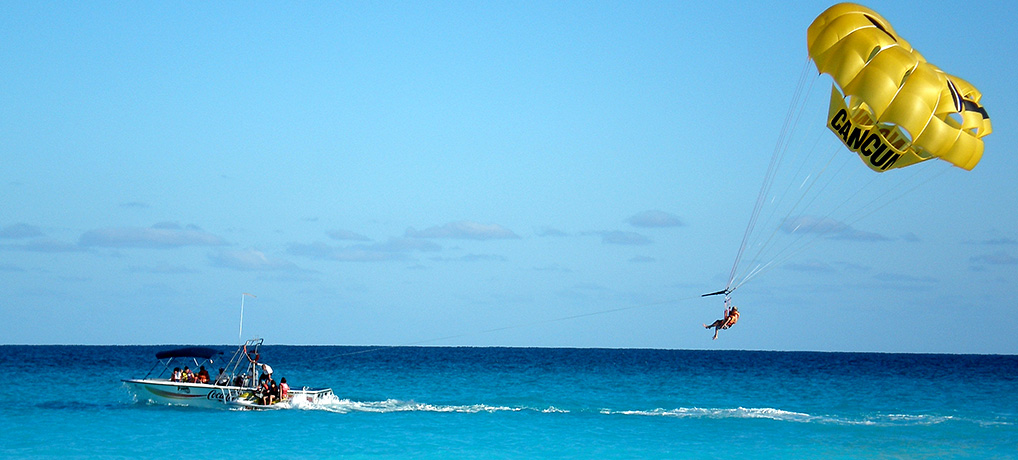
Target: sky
x,y
527,174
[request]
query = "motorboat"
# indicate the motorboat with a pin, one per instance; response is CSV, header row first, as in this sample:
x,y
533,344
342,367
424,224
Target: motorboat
x,y
236,385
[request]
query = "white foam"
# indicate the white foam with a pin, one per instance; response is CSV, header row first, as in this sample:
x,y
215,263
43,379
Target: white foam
x,y
343,406
699,412
393,405
786,416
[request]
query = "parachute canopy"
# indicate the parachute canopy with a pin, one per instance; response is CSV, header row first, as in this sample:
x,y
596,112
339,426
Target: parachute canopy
x,y
899,110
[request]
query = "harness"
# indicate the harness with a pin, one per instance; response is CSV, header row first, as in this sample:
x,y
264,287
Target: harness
x,y
733,313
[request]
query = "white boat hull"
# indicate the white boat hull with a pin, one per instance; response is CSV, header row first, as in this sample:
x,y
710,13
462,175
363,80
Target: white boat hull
x,y
159,391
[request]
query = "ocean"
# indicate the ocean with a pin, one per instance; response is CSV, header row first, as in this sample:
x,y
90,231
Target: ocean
x,y
526,403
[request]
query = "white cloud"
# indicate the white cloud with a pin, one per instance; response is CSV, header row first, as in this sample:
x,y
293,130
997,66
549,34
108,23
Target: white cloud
x,y
996,258
45,245
323,251
472,258
812,266
1002,241
825,226
549,231
161,235
910,237
403,245
624,238
655,219
554,267
346,235
813,224
858,235
161,269
16,231
249,260
464,230
900,279
393,249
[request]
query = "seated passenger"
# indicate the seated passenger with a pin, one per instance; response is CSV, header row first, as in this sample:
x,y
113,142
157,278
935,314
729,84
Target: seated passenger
x,y
273,392
264,397
176,375
203,375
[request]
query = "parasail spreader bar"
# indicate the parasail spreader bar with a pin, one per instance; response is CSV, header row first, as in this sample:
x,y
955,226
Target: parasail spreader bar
x,y
724,291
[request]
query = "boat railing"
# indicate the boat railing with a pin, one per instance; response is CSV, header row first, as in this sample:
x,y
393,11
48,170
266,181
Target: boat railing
x,y
241,366
242,370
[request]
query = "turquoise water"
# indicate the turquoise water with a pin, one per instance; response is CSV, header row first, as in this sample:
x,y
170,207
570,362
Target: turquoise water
x,y
435,402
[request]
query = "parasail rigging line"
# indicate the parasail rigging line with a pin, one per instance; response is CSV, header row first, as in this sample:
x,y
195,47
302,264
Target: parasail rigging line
x,y
792,249
780,148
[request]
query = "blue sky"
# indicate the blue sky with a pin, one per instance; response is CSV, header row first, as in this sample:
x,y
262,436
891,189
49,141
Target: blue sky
x,y
462,173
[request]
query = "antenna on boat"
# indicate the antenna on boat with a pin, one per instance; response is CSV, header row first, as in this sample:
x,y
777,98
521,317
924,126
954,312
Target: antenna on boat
x,y
240,335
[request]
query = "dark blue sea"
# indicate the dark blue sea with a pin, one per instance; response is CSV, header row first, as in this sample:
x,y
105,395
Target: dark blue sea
x,y
524,403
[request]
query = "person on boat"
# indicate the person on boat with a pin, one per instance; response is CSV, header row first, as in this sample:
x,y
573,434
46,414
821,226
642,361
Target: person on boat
x,y
187,376
252,357
176,375
203,375
266,370
731,317
261,391
273,392
269,392
284,389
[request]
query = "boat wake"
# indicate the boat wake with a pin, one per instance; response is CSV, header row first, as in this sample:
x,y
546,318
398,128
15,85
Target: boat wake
x,y
789,416
345,406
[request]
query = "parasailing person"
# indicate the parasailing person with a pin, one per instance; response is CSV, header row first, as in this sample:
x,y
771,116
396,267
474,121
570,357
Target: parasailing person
x,y
731,317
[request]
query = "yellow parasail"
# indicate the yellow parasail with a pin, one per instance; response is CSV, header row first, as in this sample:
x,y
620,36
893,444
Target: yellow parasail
x,y
900,110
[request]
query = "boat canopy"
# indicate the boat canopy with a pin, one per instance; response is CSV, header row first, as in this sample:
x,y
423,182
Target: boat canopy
x,y
189,352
